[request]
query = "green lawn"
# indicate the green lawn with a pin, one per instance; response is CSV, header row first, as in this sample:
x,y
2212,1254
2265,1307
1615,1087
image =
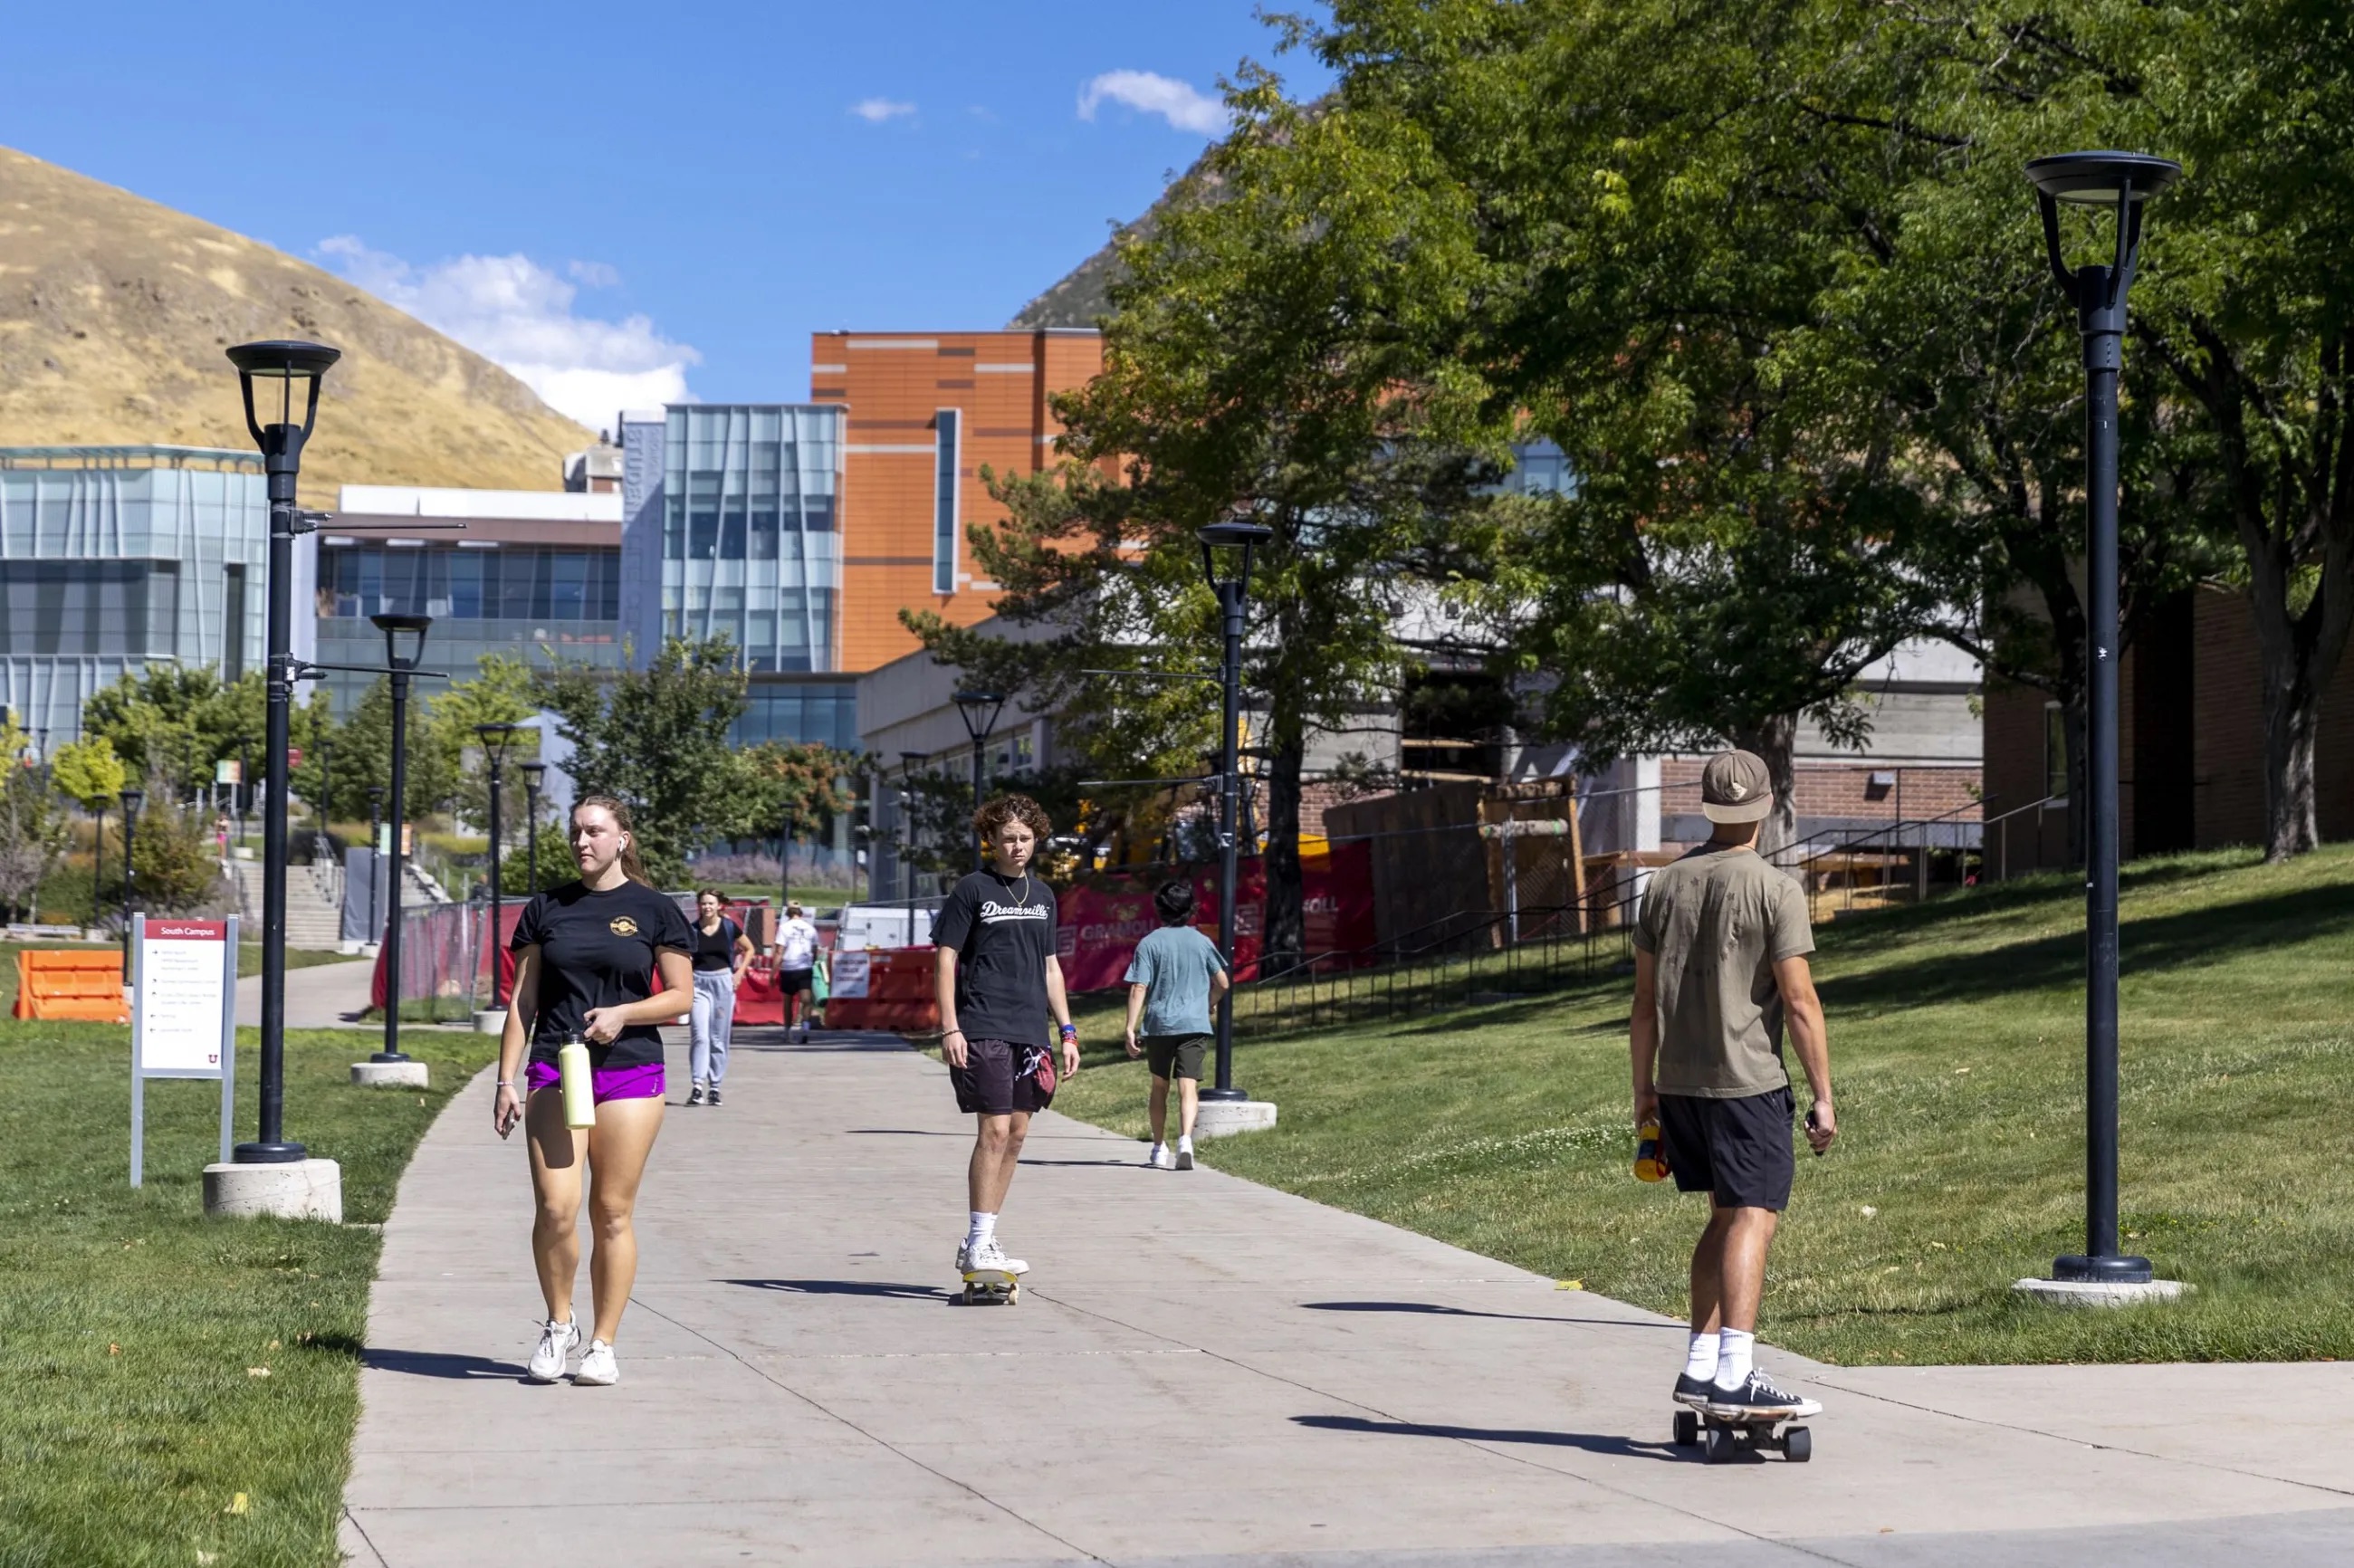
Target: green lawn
x,y
134,1334
1956,1039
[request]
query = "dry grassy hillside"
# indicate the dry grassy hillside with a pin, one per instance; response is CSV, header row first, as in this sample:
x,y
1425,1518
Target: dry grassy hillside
x,y
115,311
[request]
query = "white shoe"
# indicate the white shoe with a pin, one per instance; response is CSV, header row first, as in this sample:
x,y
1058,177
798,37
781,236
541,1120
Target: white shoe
x,y
964,1252
1184,1154
597,1368
988,1255
556,1342
1158,1159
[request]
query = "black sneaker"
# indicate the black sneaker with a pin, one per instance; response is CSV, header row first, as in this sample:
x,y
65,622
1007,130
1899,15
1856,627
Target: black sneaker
x,y
715,1094
695,1098
1758,1399
1693,1390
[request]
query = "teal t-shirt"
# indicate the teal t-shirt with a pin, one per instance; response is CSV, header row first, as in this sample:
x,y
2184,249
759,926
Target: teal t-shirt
x,y
1174,965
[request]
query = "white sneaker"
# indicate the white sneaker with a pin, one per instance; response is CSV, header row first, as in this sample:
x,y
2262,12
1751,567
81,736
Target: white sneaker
x,y
597,1368
1158,1159
988,1255
556,1342
1184,1154
964,1252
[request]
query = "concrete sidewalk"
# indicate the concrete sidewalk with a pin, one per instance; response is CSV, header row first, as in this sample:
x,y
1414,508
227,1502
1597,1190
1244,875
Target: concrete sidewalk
x,y
1200,1371
318,996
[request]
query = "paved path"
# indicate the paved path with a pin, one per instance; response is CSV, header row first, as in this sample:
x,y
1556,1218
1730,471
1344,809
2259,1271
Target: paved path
x,y
321,996
1204,1371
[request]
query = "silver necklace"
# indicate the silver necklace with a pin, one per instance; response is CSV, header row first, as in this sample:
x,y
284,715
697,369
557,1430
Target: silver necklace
x,y
1021,899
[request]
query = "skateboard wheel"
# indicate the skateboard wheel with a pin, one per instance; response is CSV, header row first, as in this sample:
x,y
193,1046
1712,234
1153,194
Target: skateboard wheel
x,y
1722,1445
1686,1428
1013,1293
1798,1444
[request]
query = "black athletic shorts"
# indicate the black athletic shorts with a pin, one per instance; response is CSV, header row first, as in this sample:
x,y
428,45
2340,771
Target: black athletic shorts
x,y
999,1077
1174,1056
790,981
1738,1150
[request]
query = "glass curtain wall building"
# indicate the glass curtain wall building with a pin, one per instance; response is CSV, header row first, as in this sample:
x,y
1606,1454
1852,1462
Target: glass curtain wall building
x,y
115,557
731,526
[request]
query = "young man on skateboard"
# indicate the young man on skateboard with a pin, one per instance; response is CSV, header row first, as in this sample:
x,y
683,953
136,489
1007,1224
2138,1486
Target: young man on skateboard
x,y
999,985
1720,963
1173,980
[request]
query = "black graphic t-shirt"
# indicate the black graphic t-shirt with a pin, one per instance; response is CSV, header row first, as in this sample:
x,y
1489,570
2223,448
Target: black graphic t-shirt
x,y
1003,931
597,950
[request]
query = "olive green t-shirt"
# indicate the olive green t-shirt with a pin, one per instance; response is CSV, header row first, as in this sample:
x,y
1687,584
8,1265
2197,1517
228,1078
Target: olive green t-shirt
x,y
1717,921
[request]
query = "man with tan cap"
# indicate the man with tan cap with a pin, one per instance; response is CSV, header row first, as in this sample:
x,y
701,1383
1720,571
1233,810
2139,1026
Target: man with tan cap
x,y
1720,961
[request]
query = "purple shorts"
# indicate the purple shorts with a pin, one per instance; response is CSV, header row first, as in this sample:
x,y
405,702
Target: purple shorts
x,y
642,1082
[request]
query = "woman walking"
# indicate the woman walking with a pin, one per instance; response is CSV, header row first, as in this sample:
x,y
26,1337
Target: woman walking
x,y
721,953
586,954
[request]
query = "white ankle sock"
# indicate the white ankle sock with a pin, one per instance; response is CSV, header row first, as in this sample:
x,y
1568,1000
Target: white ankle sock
x,y
1734,1350
1186,1143
983,1228
1699,1358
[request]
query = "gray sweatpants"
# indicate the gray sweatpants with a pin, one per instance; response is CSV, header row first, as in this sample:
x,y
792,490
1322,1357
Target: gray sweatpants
x,y
713,1021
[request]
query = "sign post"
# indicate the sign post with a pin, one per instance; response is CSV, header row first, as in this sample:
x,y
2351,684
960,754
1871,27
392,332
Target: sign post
x,y
182,1015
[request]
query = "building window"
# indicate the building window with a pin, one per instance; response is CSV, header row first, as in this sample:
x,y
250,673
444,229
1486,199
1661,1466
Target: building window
x,y
2055,751
233,625
947,458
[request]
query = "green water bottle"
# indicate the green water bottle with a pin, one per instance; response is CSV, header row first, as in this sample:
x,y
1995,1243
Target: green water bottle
x,y
580,1093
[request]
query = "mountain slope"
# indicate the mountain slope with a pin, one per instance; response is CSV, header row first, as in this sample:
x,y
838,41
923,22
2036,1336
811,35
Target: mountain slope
x,y
114,311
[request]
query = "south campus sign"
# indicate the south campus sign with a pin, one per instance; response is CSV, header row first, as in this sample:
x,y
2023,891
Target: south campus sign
x,y
182,1015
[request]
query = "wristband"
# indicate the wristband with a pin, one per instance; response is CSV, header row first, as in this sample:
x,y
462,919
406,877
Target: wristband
x,y
1070,1031
506,1083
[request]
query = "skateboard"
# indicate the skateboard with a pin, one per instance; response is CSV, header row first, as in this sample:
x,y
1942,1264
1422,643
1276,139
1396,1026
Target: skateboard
x,y
993,1286
1721,1440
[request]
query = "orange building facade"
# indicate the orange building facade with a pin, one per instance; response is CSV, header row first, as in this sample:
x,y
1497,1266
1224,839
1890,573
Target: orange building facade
x,y
927,412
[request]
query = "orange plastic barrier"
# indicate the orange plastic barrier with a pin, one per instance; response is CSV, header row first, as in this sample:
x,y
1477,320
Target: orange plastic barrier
x,y
899,995
85,983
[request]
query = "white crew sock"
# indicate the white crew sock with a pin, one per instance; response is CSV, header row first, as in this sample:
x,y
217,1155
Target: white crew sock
x,y
1185,1143
983,1228
1156,1150
1699,1360
1734,1350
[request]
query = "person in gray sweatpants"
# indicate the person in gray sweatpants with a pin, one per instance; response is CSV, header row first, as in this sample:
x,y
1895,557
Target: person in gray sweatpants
x,y
721,953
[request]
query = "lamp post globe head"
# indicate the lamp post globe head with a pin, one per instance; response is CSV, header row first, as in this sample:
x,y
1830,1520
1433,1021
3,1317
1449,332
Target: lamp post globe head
x,y
132,799
2101,179
1245,537
286,361
534,775
394,627
972,705
496,738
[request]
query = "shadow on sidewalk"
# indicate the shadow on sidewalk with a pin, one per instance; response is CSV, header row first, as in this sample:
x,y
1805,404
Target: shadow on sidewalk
x,y
439,1364
1591,1442
900,1132
1435,1310
844,1287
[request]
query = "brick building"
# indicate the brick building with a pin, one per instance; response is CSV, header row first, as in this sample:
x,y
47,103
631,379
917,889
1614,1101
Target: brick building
x,y
2191,743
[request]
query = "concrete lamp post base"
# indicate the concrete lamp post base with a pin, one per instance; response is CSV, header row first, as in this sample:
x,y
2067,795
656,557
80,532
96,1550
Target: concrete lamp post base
x,y
490,1021
2102,1292
301,1189
1224,1118
390,1075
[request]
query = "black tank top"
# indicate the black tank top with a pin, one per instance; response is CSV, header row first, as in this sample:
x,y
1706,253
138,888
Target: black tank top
x,y
717,949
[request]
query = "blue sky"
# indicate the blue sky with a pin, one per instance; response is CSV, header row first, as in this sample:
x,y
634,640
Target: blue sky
x,y
629,204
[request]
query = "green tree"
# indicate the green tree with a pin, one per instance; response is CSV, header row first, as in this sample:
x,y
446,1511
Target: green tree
x,y
32,828
503,691
170,724
88,772
362,748
657,738
172,853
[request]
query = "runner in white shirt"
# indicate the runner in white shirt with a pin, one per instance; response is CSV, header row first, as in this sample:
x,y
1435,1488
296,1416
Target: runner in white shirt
x,y
796,958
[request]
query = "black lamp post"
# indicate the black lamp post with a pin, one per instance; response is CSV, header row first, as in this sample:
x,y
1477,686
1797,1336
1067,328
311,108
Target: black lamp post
x,y
979,710
534,775
130,802
292,371
402,662
326,785
2122,184
1234,545
495,738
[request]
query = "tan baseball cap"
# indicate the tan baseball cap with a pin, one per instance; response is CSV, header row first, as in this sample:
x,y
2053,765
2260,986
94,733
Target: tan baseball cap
x,y
1735,787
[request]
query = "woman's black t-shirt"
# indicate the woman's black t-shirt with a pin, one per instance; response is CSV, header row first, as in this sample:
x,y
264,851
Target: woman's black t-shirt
x,y
717,949
1003,931
597,950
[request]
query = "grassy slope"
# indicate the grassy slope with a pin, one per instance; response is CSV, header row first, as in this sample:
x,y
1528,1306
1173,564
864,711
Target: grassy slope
x,y
1956,1038
128,1323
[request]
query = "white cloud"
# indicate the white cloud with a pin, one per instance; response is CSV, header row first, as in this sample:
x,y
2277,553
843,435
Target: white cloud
x,y
1181,103
875,111
519,314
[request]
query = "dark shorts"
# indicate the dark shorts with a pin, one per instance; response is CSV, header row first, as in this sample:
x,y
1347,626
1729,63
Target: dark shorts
x,y
791,980
642,1082
1738,1150
999,1077
1174,1056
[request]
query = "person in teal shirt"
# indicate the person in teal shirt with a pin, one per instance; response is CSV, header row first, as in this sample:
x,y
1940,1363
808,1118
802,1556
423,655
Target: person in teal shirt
x,y
1173,981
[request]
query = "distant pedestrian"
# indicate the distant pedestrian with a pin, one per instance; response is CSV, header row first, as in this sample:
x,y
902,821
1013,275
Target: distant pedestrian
x,y
1174,979
722,952
1000,988
585,958
1720,961
796,964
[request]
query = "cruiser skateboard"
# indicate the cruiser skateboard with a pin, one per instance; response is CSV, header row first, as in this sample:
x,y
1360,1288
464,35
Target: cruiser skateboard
x,y
1722,1440
991,1287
